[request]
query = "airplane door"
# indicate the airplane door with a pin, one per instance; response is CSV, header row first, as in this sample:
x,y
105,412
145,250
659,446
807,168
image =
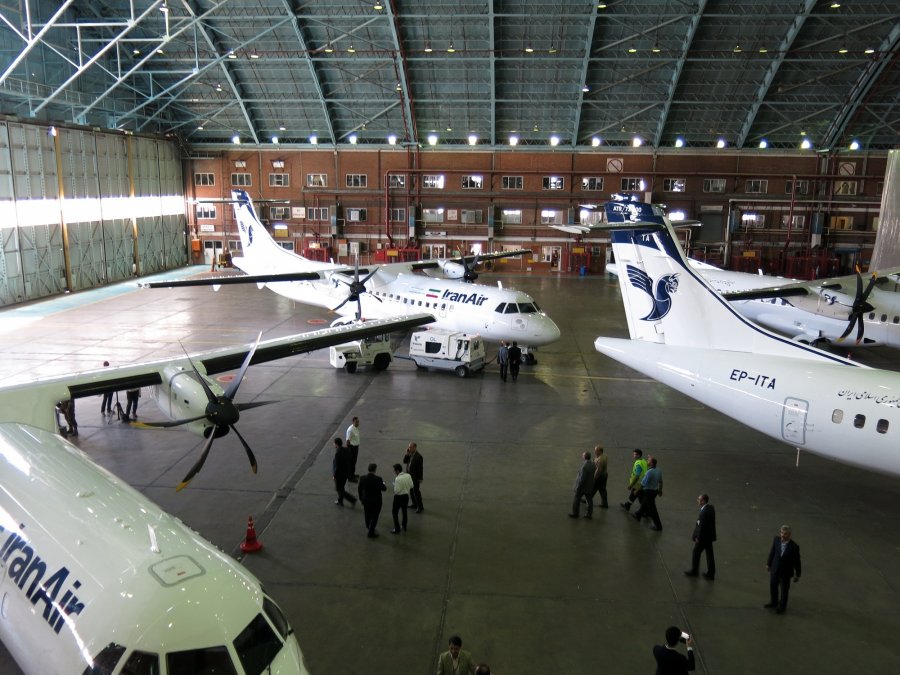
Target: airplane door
x,y
793,420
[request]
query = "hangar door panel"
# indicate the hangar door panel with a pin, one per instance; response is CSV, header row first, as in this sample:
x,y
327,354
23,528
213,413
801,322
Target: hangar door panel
x,y
151,238
81,208
12,287
174,217
43,264
115,190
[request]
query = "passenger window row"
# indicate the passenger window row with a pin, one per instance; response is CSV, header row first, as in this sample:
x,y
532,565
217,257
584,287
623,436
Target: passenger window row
x,y
859,421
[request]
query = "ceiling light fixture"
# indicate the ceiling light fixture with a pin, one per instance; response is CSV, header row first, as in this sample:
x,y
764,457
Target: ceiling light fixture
x,y
275,165
329,48
737,49
595,141
313,140
763,144
854,144
232,55
378,7
585,89
552,49
513,140
351,50
450,49
720,143
164,8
392,139
554,141
843,50
432,139
473,139
353,139
637,142
805,144
679,142
529,49
632,50
254,55
236,139
869,51
428,48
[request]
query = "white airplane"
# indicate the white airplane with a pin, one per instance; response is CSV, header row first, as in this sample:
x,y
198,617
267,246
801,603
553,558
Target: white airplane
x,y
686,335
811,311
385,290
94,577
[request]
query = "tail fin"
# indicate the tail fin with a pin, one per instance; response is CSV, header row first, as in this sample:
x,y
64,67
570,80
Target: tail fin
x,y
261,253
668,302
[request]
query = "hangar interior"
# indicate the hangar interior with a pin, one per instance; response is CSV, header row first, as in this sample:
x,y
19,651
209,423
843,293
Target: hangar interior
x,y
382,131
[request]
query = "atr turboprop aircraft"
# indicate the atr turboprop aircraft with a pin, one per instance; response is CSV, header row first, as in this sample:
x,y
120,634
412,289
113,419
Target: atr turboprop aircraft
x,y
686,335
385,290
94,577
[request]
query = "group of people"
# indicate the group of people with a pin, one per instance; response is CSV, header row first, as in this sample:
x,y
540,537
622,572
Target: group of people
x,y
457,661
510,359
406,485
131,395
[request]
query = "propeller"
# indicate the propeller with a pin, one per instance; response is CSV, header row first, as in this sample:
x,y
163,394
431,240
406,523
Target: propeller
x,y
470,275
860,307
357,288
221,411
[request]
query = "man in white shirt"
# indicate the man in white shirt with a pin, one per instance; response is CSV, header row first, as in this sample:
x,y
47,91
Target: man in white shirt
x,y
352,441
403,483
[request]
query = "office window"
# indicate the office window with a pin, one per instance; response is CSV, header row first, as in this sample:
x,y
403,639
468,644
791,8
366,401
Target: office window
x,y
714,185
395,181
357,215
473,182
592,184
317,180
471,216
317,213
241,180
204,179
551,217
206,211
797,187
845,187
357,180
554,183
279,212
633,184
752,220
511,216
673,184
279,180
397,215
433,215
433,181
797,222
511,183
755,186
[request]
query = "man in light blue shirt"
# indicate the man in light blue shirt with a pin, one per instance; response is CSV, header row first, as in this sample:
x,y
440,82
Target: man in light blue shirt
x,y
651,485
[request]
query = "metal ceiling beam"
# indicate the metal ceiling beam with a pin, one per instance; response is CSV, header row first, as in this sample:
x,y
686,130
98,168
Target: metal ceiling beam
x,y
112,43
585,65
492,36
33,41
295,11
861,88
400,68
676,73
763,90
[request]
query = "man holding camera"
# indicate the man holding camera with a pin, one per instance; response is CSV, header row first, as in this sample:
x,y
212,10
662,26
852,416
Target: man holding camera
x,y
669,661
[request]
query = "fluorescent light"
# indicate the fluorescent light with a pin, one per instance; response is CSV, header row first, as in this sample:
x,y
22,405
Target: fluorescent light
x,y
352,139
805,144
313,140
392,139
854,144
595,141
473,139
720,143
679,142
275,142
637,142
554,140
236,139
513,140
432,139
763,143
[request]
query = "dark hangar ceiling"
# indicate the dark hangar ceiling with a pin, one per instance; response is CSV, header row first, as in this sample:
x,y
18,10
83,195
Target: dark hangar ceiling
x,y
349,71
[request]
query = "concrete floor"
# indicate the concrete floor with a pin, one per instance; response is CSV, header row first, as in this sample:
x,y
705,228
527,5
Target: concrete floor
x,y
493,557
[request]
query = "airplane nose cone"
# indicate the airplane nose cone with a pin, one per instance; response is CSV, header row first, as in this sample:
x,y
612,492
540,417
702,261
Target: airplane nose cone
x,y
547,332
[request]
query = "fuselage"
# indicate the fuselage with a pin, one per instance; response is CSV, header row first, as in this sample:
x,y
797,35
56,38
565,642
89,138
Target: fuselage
x,y
851,414
91,571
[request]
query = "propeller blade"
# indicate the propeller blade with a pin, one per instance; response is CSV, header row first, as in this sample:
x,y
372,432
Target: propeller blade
x,y
253,404
860,330
872,281
848,329
166,425
236,382
369,275
210,396
199,465
346,300
247,449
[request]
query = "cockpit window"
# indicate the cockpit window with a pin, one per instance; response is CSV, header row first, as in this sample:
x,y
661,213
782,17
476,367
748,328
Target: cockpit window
x,y
527,308
209,661
511,308
257,646
141,663
500,308
536,308
277,617
105,662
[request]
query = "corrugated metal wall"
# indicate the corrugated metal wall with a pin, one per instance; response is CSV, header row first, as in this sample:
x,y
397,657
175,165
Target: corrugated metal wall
x,y
81,208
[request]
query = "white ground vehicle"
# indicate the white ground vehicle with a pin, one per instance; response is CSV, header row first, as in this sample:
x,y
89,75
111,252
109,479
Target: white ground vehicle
x,y
372,351
447,350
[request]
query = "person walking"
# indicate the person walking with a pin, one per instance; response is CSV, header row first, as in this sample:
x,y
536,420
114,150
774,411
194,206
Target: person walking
x,y
403,483
651,488
370,488
583,487
514,355
415,466
503,360
106,401
132,395
634,480
704,535
600,476
455,661
340,468
782,564
351,438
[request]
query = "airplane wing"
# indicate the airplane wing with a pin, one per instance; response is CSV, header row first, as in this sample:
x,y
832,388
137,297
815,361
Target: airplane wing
x,y
470,259
34,402
225,279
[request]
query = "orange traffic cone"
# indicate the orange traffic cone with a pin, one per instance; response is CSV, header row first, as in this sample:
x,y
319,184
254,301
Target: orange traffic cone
x,y
251,544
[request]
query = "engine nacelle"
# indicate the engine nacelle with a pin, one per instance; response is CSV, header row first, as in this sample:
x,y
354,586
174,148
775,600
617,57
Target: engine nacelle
x,y
452,269
180,396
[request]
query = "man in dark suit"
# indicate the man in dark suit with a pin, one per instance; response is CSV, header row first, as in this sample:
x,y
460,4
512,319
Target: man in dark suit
x,y
415,467
783,563
370,488
704,536
583,487
340,470
669,661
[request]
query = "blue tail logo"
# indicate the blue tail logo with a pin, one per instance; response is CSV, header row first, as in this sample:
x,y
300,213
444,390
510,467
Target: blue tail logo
x,y
661,296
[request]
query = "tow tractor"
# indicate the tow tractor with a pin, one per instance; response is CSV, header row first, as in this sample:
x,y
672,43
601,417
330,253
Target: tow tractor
x,y
372,351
